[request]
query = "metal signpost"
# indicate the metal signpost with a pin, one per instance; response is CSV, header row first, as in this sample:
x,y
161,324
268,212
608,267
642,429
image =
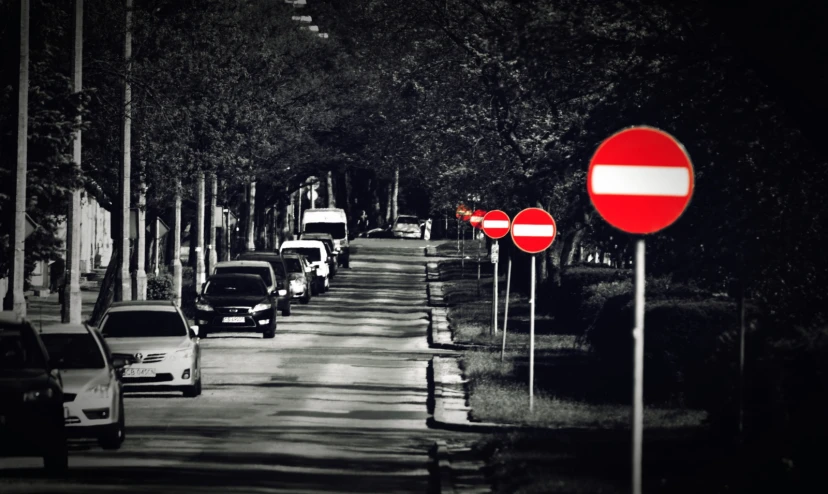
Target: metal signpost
x,y
475,221
533,231
640,181
495,225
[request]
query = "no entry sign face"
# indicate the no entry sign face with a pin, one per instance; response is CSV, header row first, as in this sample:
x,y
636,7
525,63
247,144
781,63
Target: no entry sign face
x,y
640,180
463,212
477,218
496,224
533,230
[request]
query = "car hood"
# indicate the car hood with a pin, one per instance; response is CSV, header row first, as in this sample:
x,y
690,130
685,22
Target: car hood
x,y
77,380
234,300
142,345
407,227
23,379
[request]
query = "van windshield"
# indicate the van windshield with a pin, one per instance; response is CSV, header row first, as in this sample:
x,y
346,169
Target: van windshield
x,y
336,230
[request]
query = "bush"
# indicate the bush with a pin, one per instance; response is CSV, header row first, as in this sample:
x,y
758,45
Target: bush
x,y
681,336
159,287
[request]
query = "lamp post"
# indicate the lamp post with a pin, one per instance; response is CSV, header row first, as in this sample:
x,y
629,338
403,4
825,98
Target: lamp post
x,y
226,212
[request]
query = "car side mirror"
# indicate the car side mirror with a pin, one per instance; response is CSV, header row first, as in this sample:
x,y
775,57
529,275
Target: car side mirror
x,y
55,372
194,331
202,287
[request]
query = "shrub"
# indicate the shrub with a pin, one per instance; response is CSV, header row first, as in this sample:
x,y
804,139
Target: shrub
x,y
681,336
159,287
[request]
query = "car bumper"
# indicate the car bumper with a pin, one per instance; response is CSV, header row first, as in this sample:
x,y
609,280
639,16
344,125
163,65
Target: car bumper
x,y
214,321
81,414
298,290
173,374
406,234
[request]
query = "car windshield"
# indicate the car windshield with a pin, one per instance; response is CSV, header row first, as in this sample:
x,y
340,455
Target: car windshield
x,y
312,253
277,265
336,230
403,220
73,351
143,323
218,287
261,271
19,350
294,265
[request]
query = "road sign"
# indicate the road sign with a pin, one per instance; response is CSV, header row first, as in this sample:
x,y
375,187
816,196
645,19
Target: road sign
x,y
496,224
640,180
477,218
463,212
312,195
533,230
31,226
495,253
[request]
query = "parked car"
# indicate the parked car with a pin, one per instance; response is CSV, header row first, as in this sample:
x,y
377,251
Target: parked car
x,y
300,277
406,226
93,397
275,287
31,396
236,302
166,349
332,221
280,270
316,253
333,258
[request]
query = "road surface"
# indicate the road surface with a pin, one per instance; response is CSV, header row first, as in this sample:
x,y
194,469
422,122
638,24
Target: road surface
x,y
337,402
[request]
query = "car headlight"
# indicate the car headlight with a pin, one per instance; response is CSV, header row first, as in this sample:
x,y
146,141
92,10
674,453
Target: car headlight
x,y
99,391
282,292
38,395
260,307
184,353
203,306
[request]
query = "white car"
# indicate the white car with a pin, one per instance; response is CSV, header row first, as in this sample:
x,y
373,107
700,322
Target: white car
x,y
166,349
406,226
317,255
93,399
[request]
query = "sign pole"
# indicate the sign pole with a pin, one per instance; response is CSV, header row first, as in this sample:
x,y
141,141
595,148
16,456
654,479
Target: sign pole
x,y
506,313
638,368
532,340
477,243
458,235
463,258
494,297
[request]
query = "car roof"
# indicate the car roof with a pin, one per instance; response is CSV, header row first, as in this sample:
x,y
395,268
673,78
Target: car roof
x,y
313,234
407,216
146,305
303,243
251,255
222,276
65,329
240,263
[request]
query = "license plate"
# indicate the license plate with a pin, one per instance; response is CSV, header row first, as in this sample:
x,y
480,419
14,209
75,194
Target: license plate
x,y
139,372
233,319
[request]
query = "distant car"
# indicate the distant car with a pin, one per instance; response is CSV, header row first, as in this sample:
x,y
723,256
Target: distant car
x,y
406,226
166,349
236,302
335,222
316,253
93,396
300,277
275,287
280,270
31,396
327,240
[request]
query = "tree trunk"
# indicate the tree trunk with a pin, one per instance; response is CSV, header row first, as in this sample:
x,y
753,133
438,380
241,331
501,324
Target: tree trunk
x,y
200,269
106,295
346,176
125,292
395,194
140,288
572,248
251,216
389,193
73,219
287,219
378,218
212,255
330,191
175,259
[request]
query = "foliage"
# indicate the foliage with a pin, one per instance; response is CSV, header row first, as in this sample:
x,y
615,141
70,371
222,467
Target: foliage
x,y
160,287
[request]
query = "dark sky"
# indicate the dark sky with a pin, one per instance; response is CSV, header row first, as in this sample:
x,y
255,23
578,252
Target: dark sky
x,y
787,43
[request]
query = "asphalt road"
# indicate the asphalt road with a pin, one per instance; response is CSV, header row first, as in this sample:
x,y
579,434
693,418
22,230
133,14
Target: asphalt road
x,y
337,402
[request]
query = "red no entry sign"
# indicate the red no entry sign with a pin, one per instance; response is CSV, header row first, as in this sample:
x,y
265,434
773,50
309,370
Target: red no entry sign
x,y
462,213
477,218
640,180
533,230
496,224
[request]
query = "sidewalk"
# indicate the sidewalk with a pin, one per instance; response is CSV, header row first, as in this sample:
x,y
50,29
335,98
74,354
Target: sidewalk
x,y
46,310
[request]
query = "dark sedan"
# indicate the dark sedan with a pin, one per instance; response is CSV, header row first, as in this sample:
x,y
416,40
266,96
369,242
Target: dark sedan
x,y
31,396
236,303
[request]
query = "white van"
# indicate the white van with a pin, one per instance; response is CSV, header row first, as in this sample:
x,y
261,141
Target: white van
x,y
334,222
317,255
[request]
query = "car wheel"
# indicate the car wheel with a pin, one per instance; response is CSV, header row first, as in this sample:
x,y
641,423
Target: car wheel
x,y
327,284
194,390
305,298
347,262
314,287
114,435
203,332
269,333
286,310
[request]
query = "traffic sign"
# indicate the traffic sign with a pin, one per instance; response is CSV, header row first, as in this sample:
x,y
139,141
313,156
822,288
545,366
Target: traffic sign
x,y
533,230
462,212
640,180
477,218
496,224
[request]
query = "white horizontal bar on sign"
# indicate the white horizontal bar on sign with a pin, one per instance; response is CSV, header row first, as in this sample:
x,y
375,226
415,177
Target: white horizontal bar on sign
x,y
634,180
533,230
495,224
